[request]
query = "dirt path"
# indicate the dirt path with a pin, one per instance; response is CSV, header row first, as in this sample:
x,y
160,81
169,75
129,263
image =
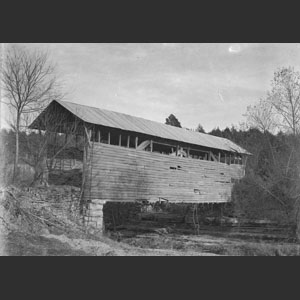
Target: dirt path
x,y
22,244
108,247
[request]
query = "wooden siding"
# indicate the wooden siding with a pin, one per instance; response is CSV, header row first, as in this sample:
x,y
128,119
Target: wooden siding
x,y
65,164
116,173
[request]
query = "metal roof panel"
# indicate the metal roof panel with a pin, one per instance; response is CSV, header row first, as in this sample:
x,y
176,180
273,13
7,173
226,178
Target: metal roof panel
x,y
136,124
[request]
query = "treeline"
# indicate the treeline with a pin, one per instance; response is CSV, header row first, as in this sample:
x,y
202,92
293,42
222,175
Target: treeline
x,y
271,187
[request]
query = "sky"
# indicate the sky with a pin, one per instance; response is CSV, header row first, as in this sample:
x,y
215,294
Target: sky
x,y
210,84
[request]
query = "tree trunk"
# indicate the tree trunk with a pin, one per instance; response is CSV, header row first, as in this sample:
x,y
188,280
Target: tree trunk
x,y
45,172
297,220
41,176
16,162
298,232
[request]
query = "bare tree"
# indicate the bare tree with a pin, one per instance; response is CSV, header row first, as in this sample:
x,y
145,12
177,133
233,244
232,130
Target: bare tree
x,y
285,98
261,116
55,129
29,83
280,110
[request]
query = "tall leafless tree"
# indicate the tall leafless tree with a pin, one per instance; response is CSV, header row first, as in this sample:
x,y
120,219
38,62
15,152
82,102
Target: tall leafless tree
x,y
280,111
30,83
285,98
261,116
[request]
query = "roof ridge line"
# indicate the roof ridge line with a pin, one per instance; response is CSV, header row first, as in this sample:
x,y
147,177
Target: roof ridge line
x,y
108,110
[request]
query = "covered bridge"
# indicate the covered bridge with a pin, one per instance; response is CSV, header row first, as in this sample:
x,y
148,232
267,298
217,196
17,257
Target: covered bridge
x,y
131,159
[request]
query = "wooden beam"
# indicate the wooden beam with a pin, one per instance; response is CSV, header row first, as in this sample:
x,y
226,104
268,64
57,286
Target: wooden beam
x,y
144,145
213,157
173,146
188,152
219,156
120,140
99,136
197,150
177,150
128,141
136,142
165,144
108,140
151,146
90,135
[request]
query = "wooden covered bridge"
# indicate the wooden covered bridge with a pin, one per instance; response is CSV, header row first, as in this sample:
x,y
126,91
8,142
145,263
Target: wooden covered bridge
x,y
131,159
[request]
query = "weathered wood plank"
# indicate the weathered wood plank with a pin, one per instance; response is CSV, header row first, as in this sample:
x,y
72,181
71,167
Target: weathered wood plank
x,y
127,174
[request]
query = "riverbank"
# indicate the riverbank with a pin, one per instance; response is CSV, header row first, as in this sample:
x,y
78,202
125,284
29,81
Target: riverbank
x,y
33,225
39,227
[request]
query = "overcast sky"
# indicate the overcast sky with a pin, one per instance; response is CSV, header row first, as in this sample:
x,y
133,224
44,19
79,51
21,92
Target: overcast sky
x,y
211,84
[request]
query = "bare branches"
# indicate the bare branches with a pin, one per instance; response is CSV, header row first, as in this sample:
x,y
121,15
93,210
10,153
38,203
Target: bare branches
x,y
281,108
261,116
285,98
49,125
29,83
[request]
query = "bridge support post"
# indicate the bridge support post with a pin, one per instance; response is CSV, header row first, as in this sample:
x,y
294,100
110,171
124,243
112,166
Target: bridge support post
x,y
94,215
